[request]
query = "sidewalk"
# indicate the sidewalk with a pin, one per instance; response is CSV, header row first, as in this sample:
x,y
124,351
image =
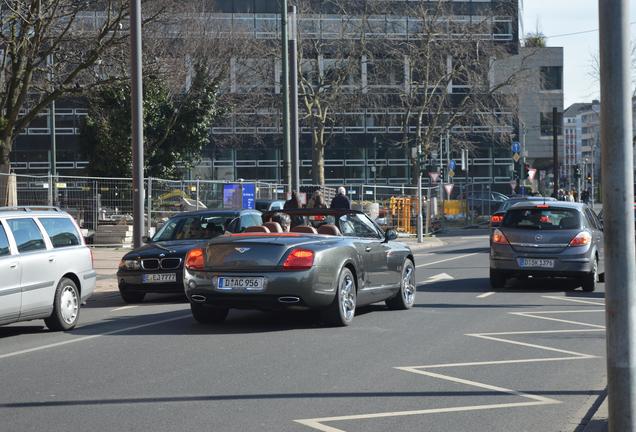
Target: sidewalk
x,y
106,262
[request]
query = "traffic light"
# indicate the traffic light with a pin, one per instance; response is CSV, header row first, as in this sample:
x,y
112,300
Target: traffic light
x,y
589,178
441,173
526,170
577,172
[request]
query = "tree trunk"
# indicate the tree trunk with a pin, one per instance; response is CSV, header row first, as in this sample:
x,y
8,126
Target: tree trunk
x,y
5,169
318,161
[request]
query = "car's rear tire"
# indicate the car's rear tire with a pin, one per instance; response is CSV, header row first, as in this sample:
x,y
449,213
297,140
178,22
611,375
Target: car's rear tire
x,y
343,308
405,297
589,281
497,279
132,296
208,315
66,307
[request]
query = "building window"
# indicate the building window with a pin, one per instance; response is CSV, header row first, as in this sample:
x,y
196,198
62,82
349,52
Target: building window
x,y
546,123
551,78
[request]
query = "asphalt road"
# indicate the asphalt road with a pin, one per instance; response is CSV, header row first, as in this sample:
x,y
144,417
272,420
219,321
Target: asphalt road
x,y
527,358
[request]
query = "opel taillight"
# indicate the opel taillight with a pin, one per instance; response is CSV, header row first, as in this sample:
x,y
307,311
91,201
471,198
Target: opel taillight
x,y
581,239
195,259
496,219
499,238
299,259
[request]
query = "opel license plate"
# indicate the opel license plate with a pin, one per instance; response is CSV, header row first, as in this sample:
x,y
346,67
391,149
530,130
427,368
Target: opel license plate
x,y
229,283
159,278
535,263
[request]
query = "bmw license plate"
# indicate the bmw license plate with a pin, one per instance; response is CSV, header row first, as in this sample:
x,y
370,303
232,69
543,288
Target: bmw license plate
x,y
535,263
159,278
229,283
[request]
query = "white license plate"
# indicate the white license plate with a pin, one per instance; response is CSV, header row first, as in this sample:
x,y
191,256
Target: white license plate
x,y
229,283
159,278
535,262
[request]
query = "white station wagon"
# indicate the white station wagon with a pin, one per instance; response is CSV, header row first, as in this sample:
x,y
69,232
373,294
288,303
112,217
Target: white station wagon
x,y
46,270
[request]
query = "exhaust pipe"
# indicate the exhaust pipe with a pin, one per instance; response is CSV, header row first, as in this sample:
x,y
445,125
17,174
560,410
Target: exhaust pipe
x,y
198,298
288,300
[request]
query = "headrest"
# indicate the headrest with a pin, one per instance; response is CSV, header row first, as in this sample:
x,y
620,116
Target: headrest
x,y
273,227
329,229
304,229
257,229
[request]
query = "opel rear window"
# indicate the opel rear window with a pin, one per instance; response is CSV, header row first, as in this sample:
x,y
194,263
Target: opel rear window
x,y
542,219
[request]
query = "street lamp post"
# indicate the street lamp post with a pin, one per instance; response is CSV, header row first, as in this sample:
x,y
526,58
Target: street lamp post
x,y
137,122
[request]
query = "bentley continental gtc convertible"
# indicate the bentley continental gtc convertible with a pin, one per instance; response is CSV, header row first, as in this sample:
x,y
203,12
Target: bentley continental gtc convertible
x,y
331,260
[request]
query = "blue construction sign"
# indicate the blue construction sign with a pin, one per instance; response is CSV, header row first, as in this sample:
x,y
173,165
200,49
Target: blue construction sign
x,y
516,147
452,165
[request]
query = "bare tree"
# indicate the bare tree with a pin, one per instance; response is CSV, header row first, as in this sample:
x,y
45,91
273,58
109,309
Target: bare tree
x,y
448,86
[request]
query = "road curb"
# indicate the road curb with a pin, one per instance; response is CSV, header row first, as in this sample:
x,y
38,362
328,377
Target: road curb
x,y
428,242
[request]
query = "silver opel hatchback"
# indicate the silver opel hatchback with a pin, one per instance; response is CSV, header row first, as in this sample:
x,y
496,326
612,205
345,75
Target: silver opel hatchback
x,y
46,270
547,239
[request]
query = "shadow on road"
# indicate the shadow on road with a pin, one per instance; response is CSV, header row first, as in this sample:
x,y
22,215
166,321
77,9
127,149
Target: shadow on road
x,y
530,285
281,396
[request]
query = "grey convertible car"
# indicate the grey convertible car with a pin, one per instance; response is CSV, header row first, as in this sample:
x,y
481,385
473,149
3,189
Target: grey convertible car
x,y
335,261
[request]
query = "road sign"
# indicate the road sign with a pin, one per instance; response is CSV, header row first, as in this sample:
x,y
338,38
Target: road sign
x,y
452,165
516,157
451,173
449,189
434,176
532,172
516,147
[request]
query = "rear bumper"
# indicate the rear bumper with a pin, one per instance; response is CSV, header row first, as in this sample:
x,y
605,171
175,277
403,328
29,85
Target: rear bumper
x,y
564,266
311,289
88,282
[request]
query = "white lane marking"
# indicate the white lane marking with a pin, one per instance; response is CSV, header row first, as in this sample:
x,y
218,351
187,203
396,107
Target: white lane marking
x,y
535,400
124,308
437,278
85,338
487,294
537,315
481,237
584,300
448,259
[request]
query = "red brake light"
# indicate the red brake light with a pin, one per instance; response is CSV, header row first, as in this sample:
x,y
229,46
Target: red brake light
x,y
581,239
299,259
499,238
195,259
543,206
496,218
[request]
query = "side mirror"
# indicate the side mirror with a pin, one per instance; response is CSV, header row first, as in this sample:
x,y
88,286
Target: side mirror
x,y
146,239
390,234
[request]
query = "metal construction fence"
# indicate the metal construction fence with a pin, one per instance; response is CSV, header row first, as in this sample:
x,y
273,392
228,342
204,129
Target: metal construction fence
x,y
96,201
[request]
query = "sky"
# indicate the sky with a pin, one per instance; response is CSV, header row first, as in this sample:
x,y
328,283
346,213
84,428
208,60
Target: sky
x,y
554,18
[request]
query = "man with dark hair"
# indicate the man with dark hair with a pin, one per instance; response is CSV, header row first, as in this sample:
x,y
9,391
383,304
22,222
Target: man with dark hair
x,y
283,219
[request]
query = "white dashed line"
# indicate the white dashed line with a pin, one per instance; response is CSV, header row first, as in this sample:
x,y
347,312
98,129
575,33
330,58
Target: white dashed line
x,y
124,308
448,259
85,338
487,294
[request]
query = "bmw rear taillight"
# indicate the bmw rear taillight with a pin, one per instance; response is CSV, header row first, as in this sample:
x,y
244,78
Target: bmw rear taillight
x,y
299,259
496,219
499,238
195,259
581,239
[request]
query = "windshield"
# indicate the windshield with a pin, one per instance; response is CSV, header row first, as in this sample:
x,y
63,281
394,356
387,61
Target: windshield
x,y
542,219
195,227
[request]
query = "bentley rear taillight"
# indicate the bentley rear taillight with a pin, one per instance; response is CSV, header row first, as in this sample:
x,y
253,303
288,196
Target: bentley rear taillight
x,y
299,259
195,259
499,238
